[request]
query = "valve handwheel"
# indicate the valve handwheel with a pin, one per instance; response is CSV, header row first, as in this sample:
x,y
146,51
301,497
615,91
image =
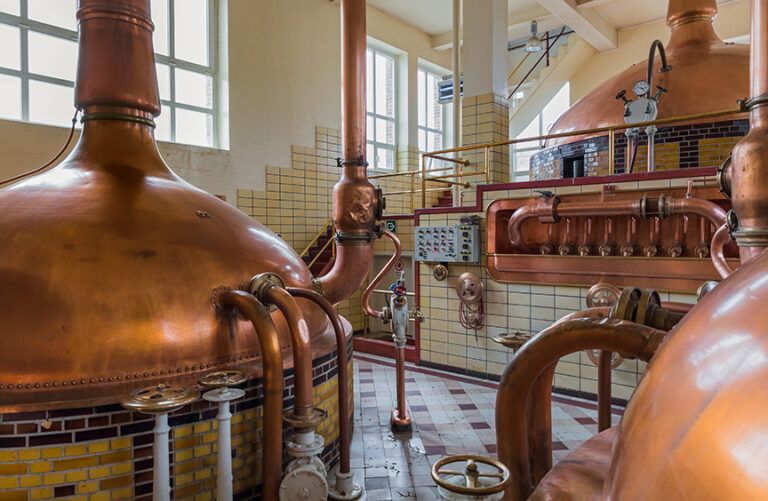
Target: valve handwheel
x,y
471,475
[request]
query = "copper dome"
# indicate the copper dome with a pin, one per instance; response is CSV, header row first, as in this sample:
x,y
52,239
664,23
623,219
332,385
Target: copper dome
x,y
707,74
109,260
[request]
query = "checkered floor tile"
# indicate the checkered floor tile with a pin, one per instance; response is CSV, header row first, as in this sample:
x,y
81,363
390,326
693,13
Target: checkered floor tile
x,y
451,415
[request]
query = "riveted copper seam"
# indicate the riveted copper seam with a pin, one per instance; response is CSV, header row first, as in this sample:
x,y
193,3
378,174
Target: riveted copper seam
x,y
343,376
302,349
533,358
369,290
272,360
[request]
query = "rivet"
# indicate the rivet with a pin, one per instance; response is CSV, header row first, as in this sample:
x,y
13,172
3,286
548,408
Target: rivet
x,y
146,374
82,381
45,385
64,383
92,380
110,378
55,383
101,380
10,386
73,382
37,385
154,373
162,372
178,370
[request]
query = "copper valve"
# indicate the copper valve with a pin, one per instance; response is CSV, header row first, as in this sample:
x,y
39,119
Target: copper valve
x,y
677,248
652,249
628,249
702,250
568,247
547,249
586,248
470,482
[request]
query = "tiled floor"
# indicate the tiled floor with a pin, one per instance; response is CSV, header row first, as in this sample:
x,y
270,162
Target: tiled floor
x,y
451,415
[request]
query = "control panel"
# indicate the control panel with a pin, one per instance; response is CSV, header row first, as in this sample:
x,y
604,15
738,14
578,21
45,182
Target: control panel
x,y
449,244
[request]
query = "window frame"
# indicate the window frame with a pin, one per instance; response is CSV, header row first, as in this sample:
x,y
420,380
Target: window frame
x,y
426,128
371,87
27,25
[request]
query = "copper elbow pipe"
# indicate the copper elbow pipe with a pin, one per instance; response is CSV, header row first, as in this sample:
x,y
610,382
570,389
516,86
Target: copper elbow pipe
x,y
302,349
353,262
704,208
380,275
513,228
272,362
343,371
533,359
717,250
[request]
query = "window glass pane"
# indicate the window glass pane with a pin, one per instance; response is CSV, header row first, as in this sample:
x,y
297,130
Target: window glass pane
x,y
193,127
370,83
556,107
160,19
422,140
10,104
435,111
56,12
191,31
435,141
523,160
385,131
163,125
369,152
370,132
422,99
52,56
164,80
194,88
531,130
50,103
385,85
10,6
385,159
10,54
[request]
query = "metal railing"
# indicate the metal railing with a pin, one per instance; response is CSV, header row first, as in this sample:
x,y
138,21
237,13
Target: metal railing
x,y
331,241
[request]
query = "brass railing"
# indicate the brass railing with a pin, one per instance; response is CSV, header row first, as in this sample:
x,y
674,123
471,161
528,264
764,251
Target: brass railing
x,y
317,236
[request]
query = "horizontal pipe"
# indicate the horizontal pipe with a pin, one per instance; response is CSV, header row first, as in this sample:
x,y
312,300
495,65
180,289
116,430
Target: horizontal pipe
x,y
343,368
369,290
532,360
302,348
272,363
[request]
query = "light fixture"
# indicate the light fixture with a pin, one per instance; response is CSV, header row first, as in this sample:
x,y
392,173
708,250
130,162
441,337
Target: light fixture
x,y
533,44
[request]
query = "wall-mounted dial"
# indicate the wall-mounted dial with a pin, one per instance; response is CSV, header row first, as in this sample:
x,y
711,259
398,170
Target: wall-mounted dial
x,y
641,88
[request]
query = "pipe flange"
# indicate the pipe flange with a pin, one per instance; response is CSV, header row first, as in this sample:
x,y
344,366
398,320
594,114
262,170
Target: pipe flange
x,y
626,306
346,238
647,305
300,450
260,284
723,176
344,487
512,340
317,286
756,102
440,272
705,289
314,417
751,236
221,379
160,399
223,394
215,299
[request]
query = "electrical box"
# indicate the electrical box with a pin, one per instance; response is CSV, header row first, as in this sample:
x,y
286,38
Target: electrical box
x,y
449,244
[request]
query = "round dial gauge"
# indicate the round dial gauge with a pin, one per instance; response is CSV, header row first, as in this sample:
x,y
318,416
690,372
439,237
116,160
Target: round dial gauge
x,y
641,88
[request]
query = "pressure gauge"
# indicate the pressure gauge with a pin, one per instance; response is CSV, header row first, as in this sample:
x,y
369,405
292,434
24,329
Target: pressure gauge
x,y
641,88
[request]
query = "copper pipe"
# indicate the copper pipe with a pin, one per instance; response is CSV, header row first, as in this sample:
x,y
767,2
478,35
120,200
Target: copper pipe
x,y
604,390
343,371
539,407
272,362
676,307
533,358
749,164
551,209
369,290
717,249
302,349
356,203
400,368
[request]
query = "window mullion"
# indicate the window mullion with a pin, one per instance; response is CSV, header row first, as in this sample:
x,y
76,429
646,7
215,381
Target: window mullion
x,y
24,34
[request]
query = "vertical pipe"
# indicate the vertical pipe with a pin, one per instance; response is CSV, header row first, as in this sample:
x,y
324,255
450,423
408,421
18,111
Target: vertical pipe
x,y
400,370
413,193
423,184
224,454
487,165
611,153
604,390
456,67
161,487
353,53
651,148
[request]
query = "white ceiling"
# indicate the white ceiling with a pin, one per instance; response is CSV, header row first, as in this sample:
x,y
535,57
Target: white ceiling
x,y
605,16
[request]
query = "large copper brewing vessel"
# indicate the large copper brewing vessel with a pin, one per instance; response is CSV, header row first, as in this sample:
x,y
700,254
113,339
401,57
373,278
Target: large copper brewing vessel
x,y
707,74
108,261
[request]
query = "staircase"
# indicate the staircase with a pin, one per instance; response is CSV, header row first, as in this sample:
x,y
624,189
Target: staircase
x,y
323,262
445,199
557,52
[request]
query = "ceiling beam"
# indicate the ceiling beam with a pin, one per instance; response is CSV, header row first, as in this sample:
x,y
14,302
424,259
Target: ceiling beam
x,y
588,23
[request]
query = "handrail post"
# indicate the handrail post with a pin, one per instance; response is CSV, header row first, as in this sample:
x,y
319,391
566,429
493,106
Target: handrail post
x,y
611,153
423,183
487,165
413,192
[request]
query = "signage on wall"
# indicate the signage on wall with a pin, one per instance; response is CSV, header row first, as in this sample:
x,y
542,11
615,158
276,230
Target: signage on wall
x,y
399,265
391,225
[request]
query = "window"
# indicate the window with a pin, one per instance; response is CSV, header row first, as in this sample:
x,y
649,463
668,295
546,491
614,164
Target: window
x,y
38,62
539,126
431,113
380,107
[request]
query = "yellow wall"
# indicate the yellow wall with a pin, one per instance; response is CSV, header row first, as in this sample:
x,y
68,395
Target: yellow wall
x,y
732,21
